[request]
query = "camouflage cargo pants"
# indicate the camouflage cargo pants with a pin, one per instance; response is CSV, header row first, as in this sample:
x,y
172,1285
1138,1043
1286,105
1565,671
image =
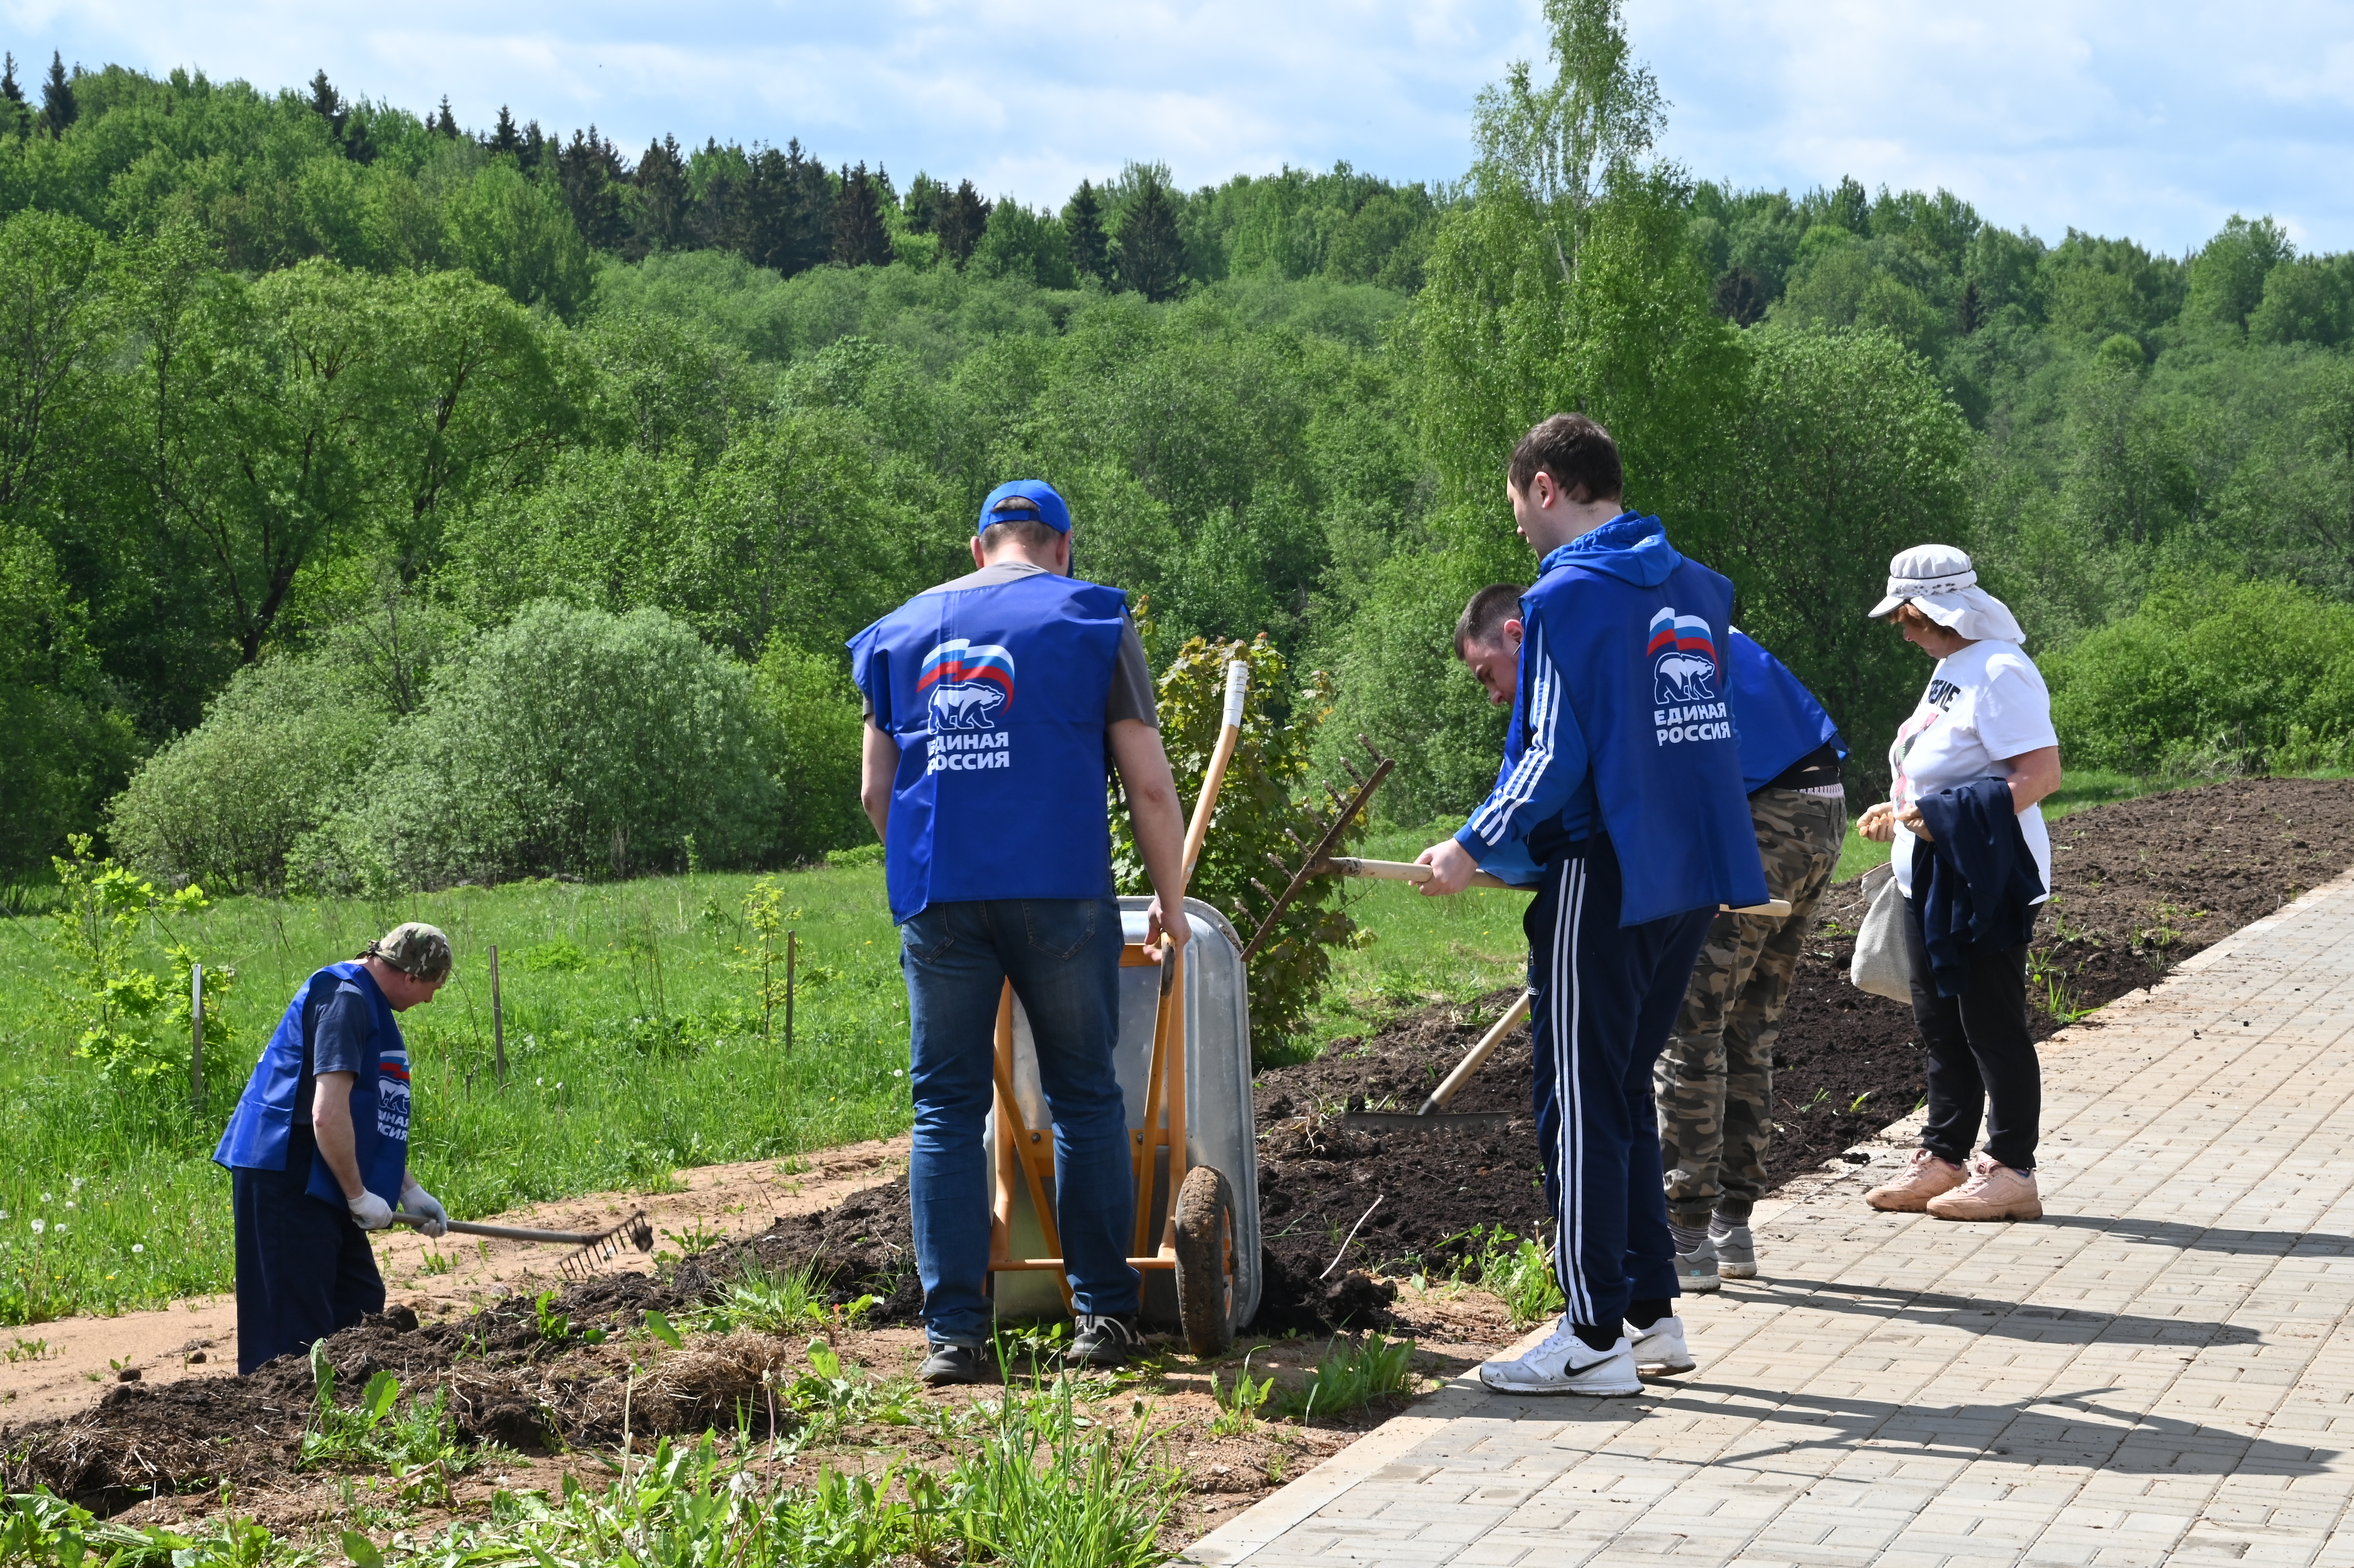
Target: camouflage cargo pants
x,y
1715,1079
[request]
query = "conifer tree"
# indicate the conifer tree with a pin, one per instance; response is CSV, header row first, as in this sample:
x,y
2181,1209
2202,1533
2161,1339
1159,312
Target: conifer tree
x,y
504,137
1149,252
12,93
58,108
328,104
591,172
534,151
660,221
859,238
446,123
1083,228
786,209
925,197
961,220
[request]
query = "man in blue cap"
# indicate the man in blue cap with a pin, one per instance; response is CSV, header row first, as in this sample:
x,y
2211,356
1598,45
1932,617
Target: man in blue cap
x,y
997,706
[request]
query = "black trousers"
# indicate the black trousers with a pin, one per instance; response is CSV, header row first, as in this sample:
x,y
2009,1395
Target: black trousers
x,y
1981,1061
1607,995
303,1269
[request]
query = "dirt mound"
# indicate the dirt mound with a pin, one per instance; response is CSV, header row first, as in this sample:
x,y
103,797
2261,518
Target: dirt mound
x,y
531,1377
2139,886
863,1246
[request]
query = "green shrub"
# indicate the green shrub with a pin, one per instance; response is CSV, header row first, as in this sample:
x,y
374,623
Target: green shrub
x,y
63,748
278,753
814,736
1263,807
569,741
2206,678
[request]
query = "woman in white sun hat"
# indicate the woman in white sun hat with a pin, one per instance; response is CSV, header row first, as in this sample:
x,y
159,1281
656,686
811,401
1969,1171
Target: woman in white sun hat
x,y
1974,861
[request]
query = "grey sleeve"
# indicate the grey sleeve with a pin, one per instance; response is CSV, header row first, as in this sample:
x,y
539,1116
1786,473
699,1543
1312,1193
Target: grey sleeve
x,y
1132,681
339,1037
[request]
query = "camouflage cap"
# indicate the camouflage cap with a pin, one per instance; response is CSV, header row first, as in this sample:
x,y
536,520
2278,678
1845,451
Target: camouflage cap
x,y
414,948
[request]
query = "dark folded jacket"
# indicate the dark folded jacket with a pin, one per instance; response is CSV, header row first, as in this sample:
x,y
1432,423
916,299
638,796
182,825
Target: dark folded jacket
x,y
1974,875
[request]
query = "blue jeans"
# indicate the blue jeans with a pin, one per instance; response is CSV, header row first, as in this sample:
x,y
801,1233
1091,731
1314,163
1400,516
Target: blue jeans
x,y
1063,957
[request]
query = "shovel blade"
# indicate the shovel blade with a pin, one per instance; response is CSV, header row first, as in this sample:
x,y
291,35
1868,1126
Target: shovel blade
x,y
1437,1122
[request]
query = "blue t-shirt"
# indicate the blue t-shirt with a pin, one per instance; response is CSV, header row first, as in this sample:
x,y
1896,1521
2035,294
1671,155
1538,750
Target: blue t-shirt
x,y
339,1043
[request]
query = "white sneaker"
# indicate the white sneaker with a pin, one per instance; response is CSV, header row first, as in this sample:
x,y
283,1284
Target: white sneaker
x,y
1660,1348
1566,1364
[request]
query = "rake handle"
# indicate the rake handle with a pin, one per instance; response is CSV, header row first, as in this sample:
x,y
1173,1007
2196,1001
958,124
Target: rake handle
x,y
506,1233
1476,1056
1407,871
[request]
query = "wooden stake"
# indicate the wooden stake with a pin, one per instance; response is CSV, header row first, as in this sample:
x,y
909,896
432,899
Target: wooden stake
x,y
498,1019
197,1035
793,953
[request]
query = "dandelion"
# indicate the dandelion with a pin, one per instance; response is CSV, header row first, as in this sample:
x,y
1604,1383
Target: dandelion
x,y
539,1083
69,1203
40,1225
45,1198
138,1247
77,1182
61,1227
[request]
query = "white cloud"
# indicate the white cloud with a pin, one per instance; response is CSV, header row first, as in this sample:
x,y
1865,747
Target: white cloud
x,y
2153,120
2156,120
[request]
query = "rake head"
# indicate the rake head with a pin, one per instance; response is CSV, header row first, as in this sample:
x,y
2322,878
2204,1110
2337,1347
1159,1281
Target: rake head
x,y
605,1246
1319,860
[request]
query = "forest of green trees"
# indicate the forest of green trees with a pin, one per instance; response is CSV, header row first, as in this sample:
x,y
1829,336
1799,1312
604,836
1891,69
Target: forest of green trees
x,y
384,501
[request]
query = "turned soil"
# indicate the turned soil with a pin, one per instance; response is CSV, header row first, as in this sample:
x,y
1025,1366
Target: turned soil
x,y
2139,886
1350,1219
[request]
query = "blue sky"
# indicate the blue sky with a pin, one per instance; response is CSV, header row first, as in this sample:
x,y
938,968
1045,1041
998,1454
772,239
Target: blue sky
x,y
2156,120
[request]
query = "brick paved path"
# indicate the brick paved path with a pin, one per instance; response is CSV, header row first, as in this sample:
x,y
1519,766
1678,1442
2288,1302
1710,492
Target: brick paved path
x,y
2160,1369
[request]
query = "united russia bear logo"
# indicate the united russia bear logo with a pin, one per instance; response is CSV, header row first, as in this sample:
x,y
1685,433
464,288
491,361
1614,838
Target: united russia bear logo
x,y
1684,659
963,682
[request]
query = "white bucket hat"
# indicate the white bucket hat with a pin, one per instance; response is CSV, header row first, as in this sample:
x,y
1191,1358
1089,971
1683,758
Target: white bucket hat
x,y
1941,580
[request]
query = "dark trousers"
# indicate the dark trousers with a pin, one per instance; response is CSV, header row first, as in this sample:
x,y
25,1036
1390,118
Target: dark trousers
x,y
303,1269
1063,957
1981,1061
1606,996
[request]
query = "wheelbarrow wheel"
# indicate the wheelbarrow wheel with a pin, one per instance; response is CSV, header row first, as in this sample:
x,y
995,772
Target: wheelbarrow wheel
x,y
1205,1261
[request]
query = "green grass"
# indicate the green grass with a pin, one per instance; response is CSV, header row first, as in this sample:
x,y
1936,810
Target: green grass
x,y
634,1049
633,1045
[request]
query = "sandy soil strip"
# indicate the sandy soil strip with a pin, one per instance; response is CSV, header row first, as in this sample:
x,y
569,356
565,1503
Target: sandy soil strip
x,y
197,1337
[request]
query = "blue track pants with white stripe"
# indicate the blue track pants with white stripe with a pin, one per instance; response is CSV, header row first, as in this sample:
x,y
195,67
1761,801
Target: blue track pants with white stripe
x,y
1606,997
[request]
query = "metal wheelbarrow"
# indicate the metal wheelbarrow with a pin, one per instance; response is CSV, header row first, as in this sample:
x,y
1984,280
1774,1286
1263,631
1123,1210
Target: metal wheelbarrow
x,y
1182,1061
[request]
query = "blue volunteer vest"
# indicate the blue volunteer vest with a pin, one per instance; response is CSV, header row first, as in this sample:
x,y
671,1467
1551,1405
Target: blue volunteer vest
x,y
996,697
261,1125
1647,684
1776,719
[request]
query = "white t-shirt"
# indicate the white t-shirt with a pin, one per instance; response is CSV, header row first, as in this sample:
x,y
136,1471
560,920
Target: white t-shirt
x,y
1983,705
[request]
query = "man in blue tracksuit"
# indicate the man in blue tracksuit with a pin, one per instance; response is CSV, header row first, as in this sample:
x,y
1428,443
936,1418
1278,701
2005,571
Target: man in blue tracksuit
x,y
1715,1079
997,706
317,1148
1622,776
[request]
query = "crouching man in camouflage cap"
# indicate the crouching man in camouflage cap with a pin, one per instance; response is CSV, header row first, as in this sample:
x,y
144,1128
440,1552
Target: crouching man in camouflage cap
x,y
318,1148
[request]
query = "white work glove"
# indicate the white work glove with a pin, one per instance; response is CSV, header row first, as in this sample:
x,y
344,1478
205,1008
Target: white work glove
x,y
369,1211
416,1200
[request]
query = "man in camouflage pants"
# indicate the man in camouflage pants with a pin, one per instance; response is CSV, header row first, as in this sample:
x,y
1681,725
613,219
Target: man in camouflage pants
x,y
1715,1080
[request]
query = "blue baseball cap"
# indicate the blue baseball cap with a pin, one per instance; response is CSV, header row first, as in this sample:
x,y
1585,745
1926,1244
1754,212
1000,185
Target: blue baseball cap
x,y
1025,500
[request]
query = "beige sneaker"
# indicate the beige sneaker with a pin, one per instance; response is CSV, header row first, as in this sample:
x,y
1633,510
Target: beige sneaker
x,y
1994,1192
1923,1179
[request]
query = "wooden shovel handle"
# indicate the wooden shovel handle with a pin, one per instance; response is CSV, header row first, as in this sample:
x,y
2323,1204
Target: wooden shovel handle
x,y
1406,871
